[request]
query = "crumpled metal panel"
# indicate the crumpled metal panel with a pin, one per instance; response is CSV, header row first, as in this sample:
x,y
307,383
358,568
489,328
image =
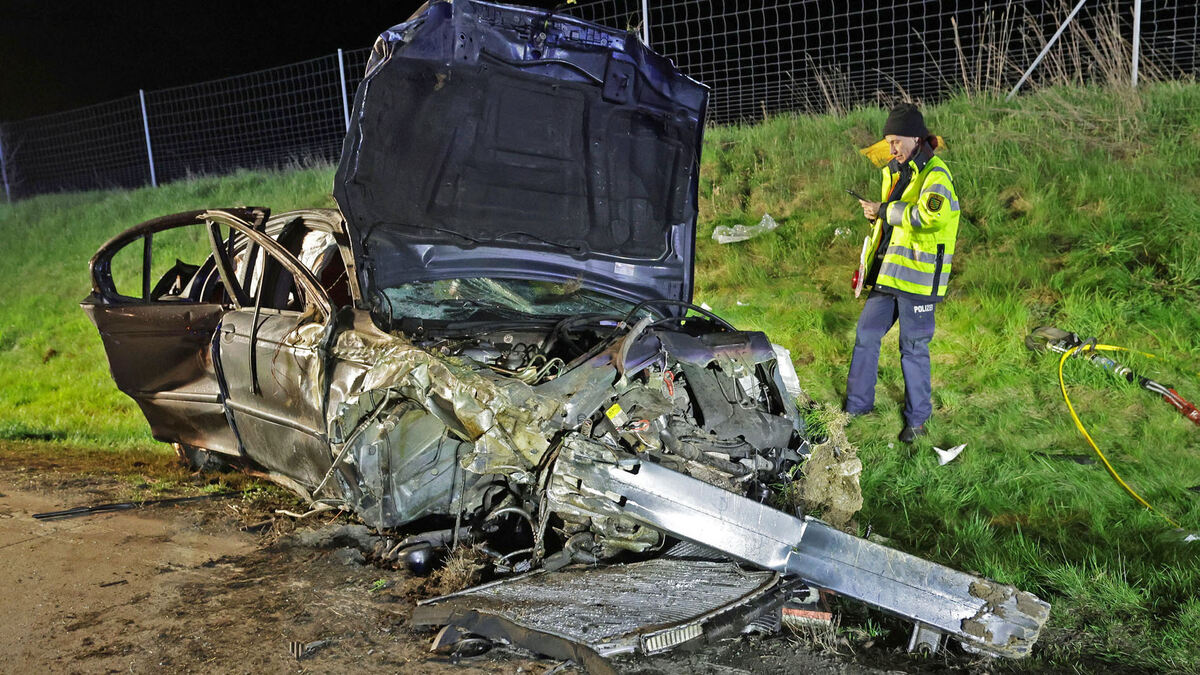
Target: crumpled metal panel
x,y
505,419
406,467
646,606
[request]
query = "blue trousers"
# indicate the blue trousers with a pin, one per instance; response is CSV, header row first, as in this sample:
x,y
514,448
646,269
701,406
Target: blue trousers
x,y
880,313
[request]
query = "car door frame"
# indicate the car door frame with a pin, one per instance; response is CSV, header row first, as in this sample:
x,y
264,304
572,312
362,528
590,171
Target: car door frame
x,y
162,353
279,416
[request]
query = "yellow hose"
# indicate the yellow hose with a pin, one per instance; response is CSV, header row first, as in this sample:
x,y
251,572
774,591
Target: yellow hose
x,y
1079,425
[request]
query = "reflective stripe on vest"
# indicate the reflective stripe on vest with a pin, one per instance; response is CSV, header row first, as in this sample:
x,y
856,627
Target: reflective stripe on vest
x,y
913,281
918,256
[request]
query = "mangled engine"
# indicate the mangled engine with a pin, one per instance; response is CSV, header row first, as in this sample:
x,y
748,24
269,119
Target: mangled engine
x,y
467,445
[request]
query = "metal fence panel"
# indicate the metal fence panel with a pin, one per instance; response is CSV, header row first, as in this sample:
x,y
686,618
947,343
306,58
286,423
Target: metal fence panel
x,y
760,59
271,118
829,55
100,146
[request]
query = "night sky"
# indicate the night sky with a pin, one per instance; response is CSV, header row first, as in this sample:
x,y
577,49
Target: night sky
x,y
62,54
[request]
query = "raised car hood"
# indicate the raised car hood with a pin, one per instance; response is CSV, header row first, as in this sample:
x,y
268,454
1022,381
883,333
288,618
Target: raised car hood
x,y
490,140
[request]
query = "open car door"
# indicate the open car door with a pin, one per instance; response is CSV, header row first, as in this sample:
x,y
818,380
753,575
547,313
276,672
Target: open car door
x,y
157,315
273,355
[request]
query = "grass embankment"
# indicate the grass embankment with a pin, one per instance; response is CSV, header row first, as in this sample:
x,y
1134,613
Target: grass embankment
x,y
1080,210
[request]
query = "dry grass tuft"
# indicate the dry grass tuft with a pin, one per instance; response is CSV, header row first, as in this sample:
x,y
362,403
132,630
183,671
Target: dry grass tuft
x,y
463,569
822,638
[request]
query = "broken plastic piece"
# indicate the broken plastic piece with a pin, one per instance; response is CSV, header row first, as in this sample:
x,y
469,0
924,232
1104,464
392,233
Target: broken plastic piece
x,y
946,456
723,234
806,608
787,370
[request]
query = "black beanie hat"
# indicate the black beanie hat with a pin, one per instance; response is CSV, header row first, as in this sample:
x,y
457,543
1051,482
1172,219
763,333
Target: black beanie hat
x,y
905,120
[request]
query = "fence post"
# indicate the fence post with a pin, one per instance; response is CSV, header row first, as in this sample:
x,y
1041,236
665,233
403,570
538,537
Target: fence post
x,y
1137,37
345,101
1044,50
646,22
4,168
146,128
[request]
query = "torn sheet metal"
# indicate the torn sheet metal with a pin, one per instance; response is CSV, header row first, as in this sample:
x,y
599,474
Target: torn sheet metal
x,y
503,417
983,615
646,607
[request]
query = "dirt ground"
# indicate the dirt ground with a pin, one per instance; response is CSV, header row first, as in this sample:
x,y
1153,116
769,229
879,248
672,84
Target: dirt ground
x,y
224,586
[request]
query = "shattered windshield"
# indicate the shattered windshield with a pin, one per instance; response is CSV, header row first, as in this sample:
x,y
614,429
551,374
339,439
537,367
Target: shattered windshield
x,y
459,299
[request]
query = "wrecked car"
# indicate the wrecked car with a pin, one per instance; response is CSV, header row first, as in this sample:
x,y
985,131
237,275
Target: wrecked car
x,y
492,341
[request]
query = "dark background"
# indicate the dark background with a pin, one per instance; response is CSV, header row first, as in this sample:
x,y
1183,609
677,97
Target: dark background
x,y
62,54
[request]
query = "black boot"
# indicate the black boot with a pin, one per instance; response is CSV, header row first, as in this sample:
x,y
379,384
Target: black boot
x,y
910,434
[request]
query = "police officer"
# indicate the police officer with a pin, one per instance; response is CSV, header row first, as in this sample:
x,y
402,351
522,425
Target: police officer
x,y
919,210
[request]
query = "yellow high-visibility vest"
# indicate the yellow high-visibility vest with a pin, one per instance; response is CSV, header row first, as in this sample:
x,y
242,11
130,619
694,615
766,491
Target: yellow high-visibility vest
x,y
924,221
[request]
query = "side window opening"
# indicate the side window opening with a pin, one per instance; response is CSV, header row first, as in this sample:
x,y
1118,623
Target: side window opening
x,y
171,265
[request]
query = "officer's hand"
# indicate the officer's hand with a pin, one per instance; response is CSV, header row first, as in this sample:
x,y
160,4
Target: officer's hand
x,y
870,209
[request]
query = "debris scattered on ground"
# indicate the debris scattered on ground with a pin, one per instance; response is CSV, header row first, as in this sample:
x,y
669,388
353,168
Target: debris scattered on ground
x,y
561,667
947,456
302,650
126,506
723,234
808,608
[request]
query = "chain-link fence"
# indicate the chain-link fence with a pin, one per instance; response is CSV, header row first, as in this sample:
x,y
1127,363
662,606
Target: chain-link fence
x,y
822,55
292,115
760,59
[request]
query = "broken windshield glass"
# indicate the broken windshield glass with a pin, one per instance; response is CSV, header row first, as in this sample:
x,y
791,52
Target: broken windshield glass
x,y
449,299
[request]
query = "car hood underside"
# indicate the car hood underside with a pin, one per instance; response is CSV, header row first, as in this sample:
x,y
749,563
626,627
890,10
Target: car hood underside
x,y
579,161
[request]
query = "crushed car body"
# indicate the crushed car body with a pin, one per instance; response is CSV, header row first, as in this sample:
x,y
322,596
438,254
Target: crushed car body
x,y
491,341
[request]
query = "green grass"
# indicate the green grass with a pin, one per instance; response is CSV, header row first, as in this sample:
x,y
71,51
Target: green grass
x,y
54,379
1081,210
